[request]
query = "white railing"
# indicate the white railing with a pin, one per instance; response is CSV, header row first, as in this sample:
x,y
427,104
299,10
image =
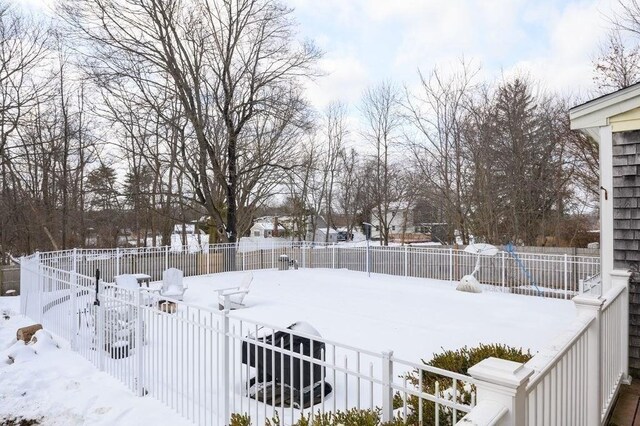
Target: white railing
x,y
557,393
573,382
613,343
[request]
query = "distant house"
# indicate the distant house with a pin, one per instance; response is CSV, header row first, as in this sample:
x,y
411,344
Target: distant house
x,y
320,235
419,223
267,227
264,227
187,228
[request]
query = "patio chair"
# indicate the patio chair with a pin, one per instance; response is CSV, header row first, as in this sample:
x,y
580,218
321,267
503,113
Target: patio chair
x,y
172,285
236,294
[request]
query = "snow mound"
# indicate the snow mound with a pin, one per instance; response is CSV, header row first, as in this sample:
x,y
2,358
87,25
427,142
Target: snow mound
x,y
42,341
470,284
18,353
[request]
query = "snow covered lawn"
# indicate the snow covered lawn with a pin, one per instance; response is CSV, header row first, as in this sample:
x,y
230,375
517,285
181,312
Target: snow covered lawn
x,y
414,317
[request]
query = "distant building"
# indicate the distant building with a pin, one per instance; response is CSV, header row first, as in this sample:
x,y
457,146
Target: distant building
x,y
419,223
267,227
187,228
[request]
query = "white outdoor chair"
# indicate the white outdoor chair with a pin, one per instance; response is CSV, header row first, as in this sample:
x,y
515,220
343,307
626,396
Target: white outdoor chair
x,y
172,285
235,294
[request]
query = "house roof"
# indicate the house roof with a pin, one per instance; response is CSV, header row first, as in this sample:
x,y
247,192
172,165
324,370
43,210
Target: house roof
x,y
267,226
324,231
596,113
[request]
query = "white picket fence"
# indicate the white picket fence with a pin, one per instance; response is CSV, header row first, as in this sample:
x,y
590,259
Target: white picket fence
x,y
192,359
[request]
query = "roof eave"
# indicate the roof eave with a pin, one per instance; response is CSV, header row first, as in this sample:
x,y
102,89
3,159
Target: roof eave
x,y
596,113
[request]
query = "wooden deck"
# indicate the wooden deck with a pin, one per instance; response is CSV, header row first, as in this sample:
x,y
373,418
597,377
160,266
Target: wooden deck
x,y
626,411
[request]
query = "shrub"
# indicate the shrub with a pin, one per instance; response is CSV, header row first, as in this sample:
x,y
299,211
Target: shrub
x,y
458,361
353,417
240,420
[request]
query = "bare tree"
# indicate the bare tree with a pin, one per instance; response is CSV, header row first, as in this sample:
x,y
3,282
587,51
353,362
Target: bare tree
x,y
436,113
617,66
381,110
23,50
351,190
230,63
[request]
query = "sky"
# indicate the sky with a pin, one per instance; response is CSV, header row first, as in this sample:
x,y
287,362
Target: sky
x,y
368,41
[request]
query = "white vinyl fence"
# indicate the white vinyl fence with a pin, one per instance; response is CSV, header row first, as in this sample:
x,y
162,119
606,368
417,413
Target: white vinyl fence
x,y
201,362
204,363
560,276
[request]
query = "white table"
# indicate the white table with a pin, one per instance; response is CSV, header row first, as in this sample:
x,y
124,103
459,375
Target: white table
x,y
141,278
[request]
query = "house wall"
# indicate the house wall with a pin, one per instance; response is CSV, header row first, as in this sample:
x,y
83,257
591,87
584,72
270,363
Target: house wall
x,y
626,196
396,222
626,229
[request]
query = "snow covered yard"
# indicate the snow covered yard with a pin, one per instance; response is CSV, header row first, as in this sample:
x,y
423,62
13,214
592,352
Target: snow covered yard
x,y
59,387
414,317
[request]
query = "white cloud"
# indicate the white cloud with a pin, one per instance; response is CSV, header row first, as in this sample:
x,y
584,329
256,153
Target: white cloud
x,y
573,38
554,41
345,79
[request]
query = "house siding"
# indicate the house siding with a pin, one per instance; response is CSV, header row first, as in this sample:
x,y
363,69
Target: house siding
x,y
626,194
626,229
634,326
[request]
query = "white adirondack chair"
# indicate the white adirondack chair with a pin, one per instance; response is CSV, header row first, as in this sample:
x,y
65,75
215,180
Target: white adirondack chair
x,y
172,285
236,294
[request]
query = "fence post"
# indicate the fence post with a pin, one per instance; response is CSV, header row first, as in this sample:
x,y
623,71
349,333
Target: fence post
x,y
304,254
566,276
208,259
387,389
333,256
40,290
406,261
590,307
23,286
166,257
450,264
139,342
73,287
117,260
225,359
504,270
368,260
243,260
100,327
501,393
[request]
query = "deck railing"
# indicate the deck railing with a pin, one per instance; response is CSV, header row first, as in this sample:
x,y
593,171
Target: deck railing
x,y
574,381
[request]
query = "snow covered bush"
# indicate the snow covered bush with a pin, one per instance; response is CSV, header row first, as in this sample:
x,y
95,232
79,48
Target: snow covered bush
x,y
457,361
